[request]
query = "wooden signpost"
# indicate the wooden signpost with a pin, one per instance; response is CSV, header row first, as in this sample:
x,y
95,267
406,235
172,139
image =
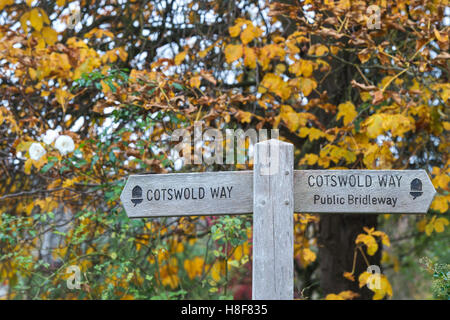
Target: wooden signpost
x,y
273,191
362,191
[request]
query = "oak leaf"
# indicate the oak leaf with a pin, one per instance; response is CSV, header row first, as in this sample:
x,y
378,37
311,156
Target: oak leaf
x,y
233,52
347,112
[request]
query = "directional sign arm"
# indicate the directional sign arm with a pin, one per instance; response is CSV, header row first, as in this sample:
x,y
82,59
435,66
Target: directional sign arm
x,y
187,194
362,191
315,191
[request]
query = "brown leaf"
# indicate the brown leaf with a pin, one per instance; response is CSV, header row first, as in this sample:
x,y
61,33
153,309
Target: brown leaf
x,y
377,96
443,55
363,87
396,97
208,76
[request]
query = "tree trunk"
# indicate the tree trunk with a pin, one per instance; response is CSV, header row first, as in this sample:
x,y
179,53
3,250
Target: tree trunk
x,y
337,234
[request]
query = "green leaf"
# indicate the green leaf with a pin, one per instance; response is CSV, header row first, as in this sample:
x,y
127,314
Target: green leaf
x,y
47,167
177,86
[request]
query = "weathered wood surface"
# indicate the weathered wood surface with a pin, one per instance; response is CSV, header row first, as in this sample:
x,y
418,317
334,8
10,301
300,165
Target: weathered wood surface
x,y
365,191
273,223
362,191
187,194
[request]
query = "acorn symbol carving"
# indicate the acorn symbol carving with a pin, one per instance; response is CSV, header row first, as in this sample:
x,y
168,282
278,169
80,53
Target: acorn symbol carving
x,y
136,195
416,188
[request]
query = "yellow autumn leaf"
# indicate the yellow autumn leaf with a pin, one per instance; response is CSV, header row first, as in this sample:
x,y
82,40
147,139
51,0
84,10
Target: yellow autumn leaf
x,y
364,55
280,68
369,241
365,96
60,3
36,19
50,35
269,52
338,153
374,125
421,225
194,267
302,68
217,270
363,279
250,33
4,3
40,40
349,276
70,182
321,50
274,83
436,224
195,82
169,276
233,52
384,237
307,85
33,73
309,159
24,20
430,226
163,255
446,125
441,181
291,118
105,89
369,231
347,112
333,296
440,203
378,283
344,4
312,133
238,252
439,224
385,289
343,295
28,165
29,208
244,116
236,29
123,54
110,56
203,53
62,96
437,35
179,58
308,256
348,294
250,57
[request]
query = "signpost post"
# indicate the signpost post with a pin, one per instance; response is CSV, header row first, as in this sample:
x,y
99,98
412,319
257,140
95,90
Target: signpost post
x,y
273,192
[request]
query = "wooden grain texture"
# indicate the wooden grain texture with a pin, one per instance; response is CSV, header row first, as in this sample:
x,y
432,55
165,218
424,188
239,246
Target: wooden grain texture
x,y
398,188
365,191
226,192
273,226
